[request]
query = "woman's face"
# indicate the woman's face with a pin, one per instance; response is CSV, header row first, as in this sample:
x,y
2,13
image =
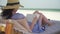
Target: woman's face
x,y
14,11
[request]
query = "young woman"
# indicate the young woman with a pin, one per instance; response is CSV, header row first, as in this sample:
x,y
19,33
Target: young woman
x,y
9,10
21,22
35,26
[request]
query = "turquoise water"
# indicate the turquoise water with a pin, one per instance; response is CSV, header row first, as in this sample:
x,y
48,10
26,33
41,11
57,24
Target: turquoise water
x,y
58,10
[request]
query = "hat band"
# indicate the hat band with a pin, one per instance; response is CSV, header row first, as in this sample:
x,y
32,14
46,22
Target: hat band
x,y
12,3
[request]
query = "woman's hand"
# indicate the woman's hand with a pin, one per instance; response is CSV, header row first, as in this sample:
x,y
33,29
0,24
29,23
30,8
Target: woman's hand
x,y
36,12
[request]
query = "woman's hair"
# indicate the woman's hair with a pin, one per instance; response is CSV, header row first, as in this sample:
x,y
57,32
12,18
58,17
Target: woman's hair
x,y
7,13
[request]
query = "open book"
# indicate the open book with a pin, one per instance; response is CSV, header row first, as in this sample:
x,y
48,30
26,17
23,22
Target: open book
x,y
30,17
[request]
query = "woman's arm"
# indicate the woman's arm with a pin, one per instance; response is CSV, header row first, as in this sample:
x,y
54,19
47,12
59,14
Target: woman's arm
x,y
33,23
24,23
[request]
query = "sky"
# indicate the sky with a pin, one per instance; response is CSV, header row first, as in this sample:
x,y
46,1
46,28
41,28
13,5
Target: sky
x,y
43,4
54,4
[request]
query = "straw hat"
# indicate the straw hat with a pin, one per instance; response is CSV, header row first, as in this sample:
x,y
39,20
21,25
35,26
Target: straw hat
x,y
12,4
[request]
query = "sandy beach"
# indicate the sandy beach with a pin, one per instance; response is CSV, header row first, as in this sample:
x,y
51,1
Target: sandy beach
x,y
53,15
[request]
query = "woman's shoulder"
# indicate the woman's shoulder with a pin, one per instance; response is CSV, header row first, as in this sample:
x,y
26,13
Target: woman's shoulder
x,y
18,13
18,16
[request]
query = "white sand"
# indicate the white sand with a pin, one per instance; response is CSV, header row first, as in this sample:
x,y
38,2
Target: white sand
x,y
49,14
